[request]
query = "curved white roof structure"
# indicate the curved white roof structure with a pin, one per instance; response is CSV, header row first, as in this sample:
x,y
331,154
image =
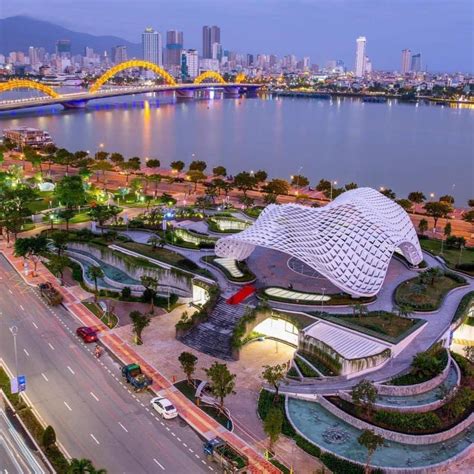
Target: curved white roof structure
x,y
350,241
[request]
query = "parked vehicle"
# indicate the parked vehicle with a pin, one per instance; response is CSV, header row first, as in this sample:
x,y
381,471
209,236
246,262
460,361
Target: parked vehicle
x,y
135,377
50,294
227,456
164,407
87,334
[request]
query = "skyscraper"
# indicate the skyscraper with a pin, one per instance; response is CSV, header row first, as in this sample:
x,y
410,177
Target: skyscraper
x,y
63,48
119,54
361,43
189,64
406,59
174,47
210,35
416,62
151,45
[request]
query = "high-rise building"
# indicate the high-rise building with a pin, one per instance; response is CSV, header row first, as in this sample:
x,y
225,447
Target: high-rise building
x,y
367,65
416,62
174,47
210,35
406,61
63,48
216,51
88,52
33,55
249,60
119,54
189,64
151,45
361,44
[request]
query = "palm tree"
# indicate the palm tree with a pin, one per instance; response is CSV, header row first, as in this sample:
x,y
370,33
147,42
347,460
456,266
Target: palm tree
x,y
94,273
151,284
82,466
155,241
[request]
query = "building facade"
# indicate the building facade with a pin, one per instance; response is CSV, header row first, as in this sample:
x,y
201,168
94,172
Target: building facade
x,y
174,47
406,61
119,54
189,64
210,35
416,62
152,46
360,58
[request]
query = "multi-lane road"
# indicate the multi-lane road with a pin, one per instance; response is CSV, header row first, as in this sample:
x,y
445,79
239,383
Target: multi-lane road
x,y
94,413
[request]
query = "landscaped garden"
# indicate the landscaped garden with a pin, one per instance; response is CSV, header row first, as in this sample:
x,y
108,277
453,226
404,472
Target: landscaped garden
x,y
455,258
427,290
107,317
189,239
227,224
234,270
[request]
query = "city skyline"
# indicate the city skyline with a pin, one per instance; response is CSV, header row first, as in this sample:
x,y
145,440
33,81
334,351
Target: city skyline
x,y
337,26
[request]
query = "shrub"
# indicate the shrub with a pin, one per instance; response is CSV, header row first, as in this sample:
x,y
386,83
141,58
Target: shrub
x,y
467,267
305,445
467,369
239,329
305,369
126,292
293,373
76,271
49,437
462,311
408,422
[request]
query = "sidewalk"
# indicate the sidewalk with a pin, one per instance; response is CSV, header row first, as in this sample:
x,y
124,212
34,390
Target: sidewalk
x,y
197,419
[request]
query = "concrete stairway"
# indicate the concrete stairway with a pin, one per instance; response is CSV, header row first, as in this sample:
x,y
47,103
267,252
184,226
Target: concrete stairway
x,y
213,337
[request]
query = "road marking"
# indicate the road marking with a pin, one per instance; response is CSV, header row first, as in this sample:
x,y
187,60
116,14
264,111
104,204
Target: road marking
x,y
94,396
197,455
26,352
173,434
167,428
44,376
202,460
190,450
158,464
70,370
68,407
178,438
125,429
185,445
94,438
10,291
21,306
34,324
51,346
210,468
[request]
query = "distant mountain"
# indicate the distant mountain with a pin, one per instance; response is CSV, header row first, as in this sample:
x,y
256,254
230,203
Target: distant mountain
x,y
18,33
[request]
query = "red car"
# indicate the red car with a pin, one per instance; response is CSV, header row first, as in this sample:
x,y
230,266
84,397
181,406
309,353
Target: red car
x,y
87,334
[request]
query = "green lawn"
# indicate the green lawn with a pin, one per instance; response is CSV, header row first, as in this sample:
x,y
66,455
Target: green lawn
x,y
381,322
427,297
110,321
80,217
451,256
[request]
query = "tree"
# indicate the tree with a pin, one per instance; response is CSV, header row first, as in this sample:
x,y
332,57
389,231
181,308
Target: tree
x,y
151,285
244,181
57,265
350,186
60,239
299,181
101,155
128,167
69,191
177,166
67,215
155,241
371,442
436,210
153,163
469,353
117,158
273,375
219,171
246,201
277,186
102,214
260,176
221,381
188,364
94,273
102,166
387,192
139,321
272,426
470,202
447,229
423,226
31,247
324,186
195,176
416,197
404,310
270,198
405,204
197,165
155,178
65,158
83,466
49,437
221,185
364,394
447,198
468,216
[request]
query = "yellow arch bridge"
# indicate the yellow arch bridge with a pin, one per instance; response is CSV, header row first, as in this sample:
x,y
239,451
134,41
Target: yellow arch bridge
x,y
75,100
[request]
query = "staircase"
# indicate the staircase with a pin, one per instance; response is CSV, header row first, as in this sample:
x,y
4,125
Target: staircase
x,y
213,337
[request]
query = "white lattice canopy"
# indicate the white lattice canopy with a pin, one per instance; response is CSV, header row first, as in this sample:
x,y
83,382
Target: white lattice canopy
x,y
350,241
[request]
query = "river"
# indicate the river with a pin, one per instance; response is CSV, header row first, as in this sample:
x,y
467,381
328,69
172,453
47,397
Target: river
x,y
405,147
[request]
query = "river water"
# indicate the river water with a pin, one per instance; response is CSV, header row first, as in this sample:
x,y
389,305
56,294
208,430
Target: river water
x,y
402,146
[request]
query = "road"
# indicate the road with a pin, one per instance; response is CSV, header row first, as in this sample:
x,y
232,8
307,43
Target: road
x,y
94,413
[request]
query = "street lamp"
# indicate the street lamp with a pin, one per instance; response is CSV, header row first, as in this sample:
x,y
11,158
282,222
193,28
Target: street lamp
x,y
335,184
14,331
51,219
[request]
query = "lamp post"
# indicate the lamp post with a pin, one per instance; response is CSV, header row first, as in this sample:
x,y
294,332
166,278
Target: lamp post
x,y
14,331
335,184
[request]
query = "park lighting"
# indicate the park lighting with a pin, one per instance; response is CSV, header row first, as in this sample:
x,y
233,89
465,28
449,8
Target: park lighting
x,y
333,183
432,195
382,189
51,219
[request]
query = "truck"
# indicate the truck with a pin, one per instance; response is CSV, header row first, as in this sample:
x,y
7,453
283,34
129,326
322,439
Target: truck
x,y
135,377
50,294
229,459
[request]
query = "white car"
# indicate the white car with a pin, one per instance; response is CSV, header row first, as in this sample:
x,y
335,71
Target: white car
x,y
164,407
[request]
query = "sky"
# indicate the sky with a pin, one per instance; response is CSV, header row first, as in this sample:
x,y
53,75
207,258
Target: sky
x,y
442,30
